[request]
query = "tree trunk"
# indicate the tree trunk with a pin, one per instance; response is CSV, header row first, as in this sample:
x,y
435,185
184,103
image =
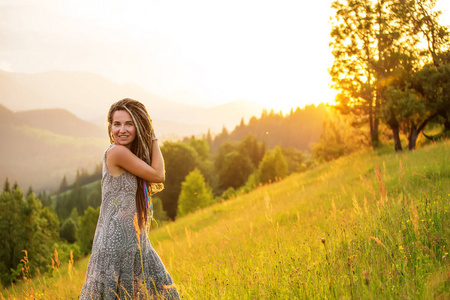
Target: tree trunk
x,y
374,138
396,134
447,124
412,138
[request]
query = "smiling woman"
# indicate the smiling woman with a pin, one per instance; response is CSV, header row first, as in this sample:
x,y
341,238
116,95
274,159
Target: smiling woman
x,y
123,262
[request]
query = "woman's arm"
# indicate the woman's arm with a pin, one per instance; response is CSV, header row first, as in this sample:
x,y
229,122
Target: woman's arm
x,y
120,158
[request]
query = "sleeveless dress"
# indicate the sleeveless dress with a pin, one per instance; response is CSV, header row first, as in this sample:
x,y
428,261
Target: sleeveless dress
x,y
117,267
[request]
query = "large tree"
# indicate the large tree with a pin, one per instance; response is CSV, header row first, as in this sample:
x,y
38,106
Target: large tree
x,y
376,45
421,92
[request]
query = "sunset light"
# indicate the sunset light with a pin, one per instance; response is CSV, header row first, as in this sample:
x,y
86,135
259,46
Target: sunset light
x,y
200,52
238,149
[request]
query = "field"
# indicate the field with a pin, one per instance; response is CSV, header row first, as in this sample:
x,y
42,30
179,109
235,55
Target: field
x,y
374,225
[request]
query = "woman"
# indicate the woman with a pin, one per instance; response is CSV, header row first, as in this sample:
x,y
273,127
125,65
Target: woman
x,y
123,263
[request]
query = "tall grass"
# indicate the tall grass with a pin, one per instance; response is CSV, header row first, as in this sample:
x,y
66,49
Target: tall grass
x,y
372,225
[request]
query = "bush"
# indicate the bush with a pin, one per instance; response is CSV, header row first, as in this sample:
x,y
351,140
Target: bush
x,y
68,231
273,166
86,229
195,193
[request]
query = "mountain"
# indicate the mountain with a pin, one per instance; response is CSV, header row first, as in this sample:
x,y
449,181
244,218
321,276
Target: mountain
x,y
89,97
39,147
61,121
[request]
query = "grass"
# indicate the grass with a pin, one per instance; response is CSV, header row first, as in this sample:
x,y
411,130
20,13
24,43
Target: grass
x,y
372,225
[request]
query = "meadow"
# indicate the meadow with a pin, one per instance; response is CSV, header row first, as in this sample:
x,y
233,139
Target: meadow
x,y
373,225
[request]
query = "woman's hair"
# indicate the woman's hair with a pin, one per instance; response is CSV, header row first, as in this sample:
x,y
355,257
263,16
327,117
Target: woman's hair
x,y
141,147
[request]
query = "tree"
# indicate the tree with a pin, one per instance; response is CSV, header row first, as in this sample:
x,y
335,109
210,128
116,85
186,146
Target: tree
x,y
419,93
195,193
86,229
24,225
68,231
6,187
180,159
273,166
376,46
234,170
201,147
294,159
64,186
253,148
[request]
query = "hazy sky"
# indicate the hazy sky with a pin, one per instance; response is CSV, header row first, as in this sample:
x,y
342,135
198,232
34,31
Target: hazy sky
x,y
209,52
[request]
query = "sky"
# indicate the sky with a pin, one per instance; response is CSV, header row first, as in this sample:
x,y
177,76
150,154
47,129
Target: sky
x,y
203,52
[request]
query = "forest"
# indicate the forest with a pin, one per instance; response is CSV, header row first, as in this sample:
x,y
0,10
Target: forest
x,y
392,72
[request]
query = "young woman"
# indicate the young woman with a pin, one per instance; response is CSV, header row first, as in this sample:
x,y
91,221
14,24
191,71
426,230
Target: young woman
x,y
123,263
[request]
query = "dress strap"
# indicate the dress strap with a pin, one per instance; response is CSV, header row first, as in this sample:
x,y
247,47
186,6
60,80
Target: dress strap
x,y
104,153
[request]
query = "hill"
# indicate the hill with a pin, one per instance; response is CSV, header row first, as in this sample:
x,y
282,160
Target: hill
x,y
41,146
368,226
61,121
89,97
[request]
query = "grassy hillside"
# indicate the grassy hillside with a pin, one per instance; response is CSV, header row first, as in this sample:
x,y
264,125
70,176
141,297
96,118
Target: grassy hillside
x,y
372,225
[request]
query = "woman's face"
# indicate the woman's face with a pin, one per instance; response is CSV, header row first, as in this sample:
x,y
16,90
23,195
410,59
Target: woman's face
x,y
123,128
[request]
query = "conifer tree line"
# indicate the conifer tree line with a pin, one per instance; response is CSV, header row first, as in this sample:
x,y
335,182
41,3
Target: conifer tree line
x,y
391,66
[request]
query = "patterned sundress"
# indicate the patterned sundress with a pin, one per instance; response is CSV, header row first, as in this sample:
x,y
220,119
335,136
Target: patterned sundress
x,y
116,263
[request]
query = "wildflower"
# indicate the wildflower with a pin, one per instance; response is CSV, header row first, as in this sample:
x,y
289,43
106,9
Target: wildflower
x,y
400,248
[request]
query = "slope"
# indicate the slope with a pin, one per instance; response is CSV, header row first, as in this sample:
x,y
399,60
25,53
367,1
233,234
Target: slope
x,y
372,225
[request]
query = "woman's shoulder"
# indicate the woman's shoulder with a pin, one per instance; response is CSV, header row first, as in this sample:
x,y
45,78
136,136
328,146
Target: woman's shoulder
x,y
118,149
117,152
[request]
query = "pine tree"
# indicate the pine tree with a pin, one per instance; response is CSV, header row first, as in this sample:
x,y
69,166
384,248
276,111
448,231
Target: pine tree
x,y
6,187
64,186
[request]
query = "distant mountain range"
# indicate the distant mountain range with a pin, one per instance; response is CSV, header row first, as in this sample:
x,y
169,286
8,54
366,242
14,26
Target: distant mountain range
x,y
39,147
54,123
89,97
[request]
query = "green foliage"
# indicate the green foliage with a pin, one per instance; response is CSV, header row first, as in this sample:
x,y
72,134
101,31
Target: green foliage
x,y
273,166
79,197
195,193
253,148
6,187
86,229
294,159
378,48
235,169
180,159
63,186
228,194
24,225
200,146
68,230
